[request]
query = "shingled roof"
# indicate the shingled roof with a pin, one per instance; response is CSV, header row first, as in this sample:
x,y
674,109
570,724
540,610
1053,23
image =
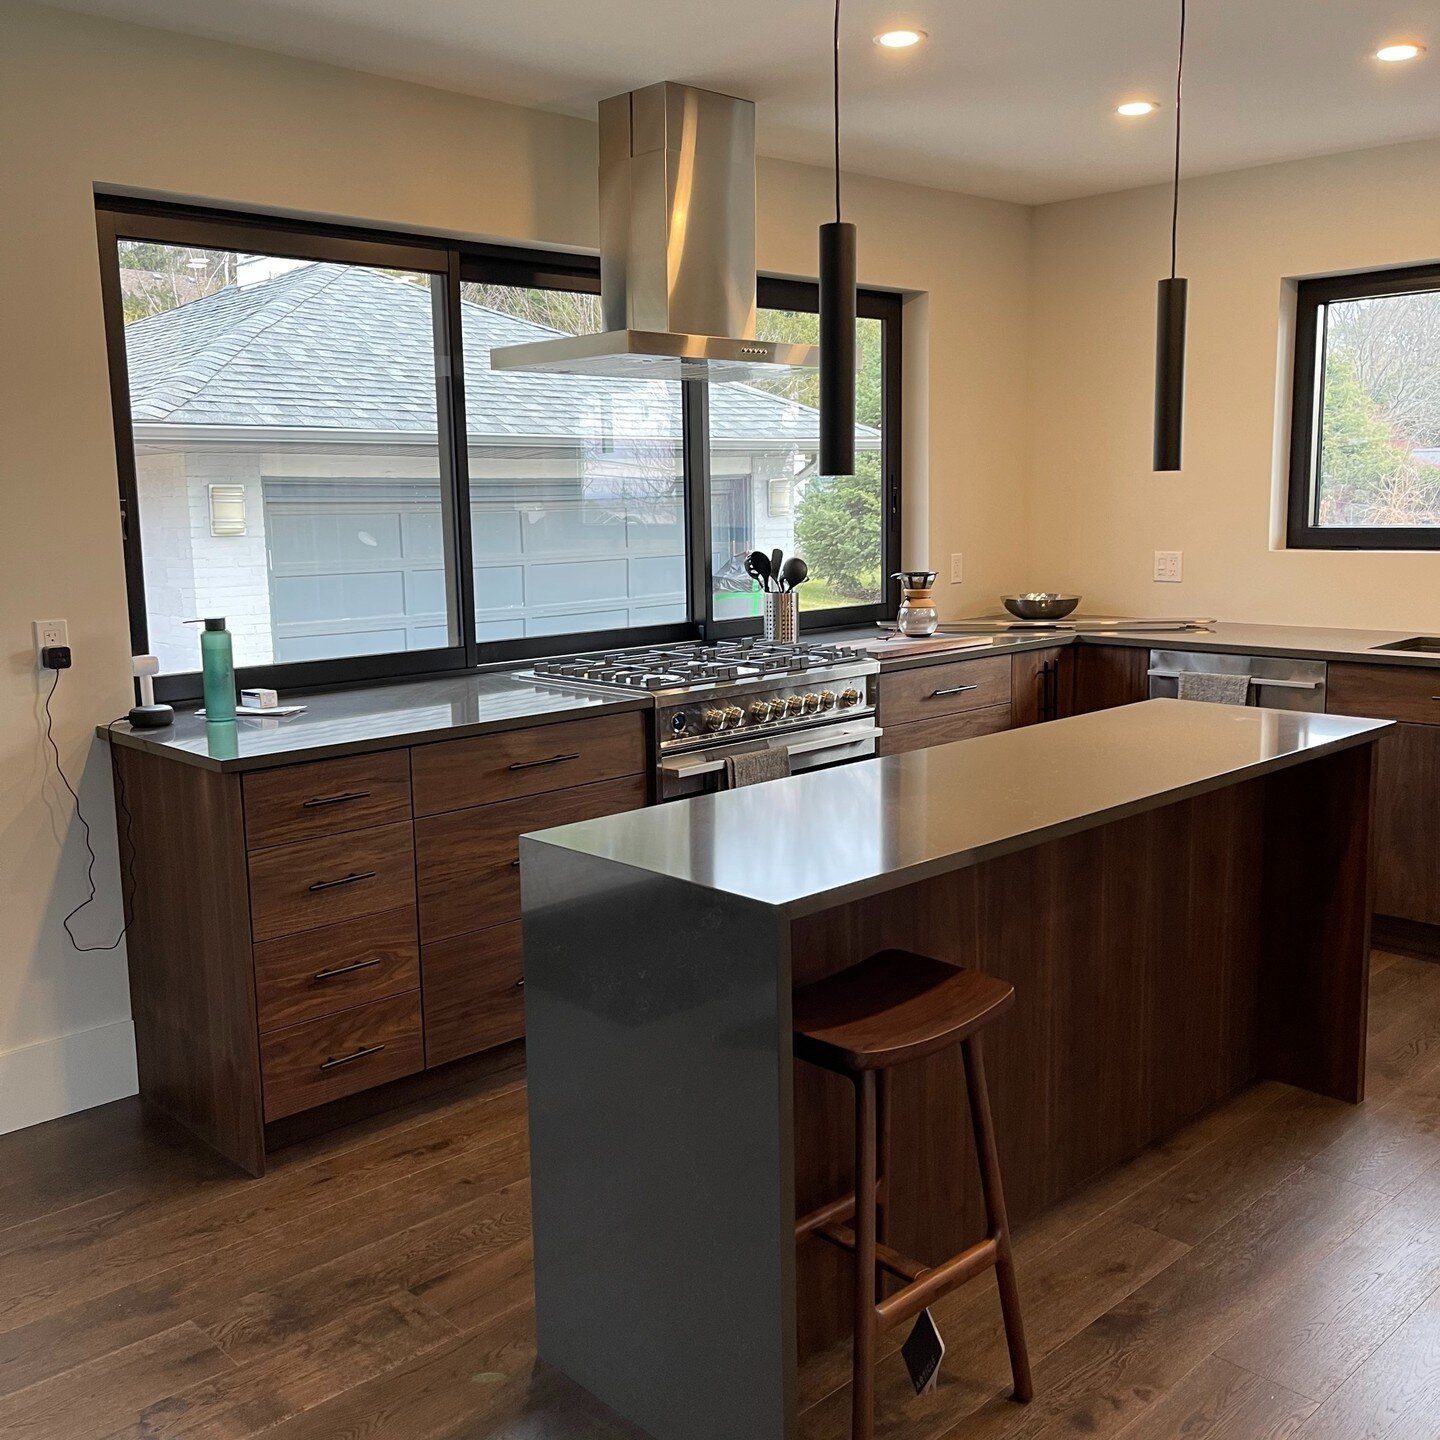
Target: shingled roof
x,y
339,347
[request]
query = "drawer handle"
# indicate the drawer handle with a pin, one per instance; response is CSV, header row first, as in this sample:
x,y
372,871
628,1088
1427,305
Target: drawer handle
x,y
359,1054
520,983
953,690
343,880
318,800
531,764
345,969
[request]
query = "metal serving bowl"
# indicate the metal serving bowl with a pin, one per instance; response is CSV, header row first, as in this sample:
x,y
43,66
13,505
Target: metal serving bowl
x,y
1040,606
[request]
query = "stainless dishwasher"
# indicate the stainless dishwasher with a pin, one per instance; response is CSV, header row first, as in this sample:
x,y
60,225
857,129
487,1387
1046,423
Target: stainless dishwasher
x,y
1277,682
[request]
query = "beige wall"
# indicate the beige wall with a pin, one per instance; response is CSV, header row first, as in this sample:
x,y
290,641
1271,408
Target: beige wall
x,y
1097,511
85,102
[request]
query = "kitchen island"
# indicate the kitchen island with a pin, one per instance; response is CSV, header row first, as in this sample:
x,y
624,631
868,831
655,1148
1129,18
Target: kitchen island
x,y
1179,892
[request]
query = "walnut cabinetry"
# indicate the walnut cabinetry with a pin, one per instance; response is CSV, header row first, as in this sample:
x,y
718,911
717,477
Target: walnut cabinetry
x,y
1407,783
936,704
303,933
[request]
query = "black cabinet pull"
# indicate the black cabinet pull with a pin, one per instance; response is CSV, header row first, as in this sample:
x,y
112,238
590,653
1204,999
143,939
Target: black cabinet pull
x,y
520,983
531,764
515,863
953,690
345,969
316,801
343,880
359,1054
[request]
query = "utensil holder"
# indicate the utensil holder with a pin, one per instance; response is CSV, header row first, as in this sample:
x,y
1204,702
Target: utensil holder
x,y
781,617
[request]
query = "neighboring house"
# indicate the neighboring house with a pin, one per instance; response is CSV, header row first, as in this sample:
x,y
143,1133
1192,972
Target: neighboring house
x,y
285,439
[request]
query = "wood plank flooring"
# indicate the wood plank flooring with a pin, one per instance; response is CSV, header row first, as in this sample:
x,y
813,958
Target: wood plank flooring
x,y
1271,1271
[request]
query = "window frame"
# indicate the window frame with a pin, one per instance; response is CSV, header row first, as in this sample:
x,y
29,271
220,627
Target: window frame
x,y
1312,299
125,217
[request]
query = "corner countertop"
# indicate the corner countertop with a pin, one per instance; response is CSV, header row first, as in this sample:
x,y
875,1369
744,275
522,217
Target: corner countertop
x,y
821,838
376,717
412,712
1222,637
1301,641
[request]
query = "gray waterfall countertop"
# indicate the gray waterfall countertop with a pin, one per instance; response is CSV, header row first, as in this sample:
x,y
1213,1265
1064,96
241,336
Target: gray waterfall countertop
x,y
819,839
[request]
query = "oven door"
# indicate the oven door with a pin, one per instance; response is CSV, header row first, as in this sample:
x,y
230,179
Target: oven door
x,y
696,772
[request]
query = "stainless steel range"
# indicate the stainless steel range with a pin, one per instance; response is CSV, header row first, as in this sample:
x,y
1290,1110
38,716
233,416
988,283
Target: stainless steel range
x,y
816,701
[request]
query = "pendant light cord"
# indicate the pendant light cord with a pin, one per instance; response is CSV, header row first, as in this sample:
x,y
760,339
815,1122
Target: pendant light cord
x,y
836,94
1175,202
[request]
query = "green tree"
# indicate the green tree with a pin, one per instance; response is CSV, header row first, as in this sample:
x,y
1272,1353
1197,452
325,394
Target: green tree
x,y
837,529
1361,461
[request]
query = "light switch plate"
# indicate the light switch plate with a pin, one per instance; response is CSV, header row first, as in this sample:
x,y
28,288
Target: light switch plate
x,y
1169,566
957,568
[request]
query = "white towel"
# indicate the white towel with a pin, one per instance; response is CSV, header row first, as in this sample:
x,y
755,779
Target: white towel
x,y
1215,689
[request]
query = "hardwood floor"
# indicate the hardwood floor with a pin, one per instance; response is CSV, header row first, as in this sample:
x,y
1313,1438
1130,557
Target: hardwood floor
x,y
1272,1270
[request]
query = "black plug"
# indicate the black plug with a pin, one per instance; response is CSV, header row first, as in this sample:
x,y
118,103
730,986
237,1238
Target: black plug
x,y
56,657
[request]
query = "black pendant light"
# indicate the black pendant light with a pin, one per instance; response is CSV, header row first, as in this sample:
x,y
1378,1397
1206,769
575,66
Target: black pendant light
x,y
837,320
1170,318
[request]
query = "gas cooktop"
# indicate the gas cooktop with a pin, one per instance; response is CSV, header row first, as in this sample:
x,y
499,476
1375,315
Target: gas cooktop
x,y
687,666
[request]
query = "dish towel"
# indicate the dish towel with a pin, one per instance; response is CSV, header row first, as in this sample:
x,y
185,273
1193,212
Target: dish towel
x,y
754,767
1216,689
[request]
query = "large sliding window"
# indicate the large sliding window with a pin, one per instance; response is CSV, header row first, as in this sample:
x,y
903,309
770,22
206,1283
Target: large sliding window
x,y
765,491
577,484
312,443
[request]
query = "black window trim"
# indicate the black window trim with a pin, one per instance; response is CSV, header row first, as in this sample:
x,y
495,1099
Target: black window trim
x,y
1312,298
121,216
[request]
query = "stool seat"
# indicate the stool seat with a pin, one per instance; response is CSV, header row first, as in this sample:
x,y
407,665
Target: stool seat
x,y
894,1007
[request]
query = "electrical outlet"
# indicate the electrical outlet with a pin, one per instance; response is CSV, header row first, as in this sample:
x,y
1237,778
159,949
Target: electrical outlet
x,y
1168,566
48,634
957,569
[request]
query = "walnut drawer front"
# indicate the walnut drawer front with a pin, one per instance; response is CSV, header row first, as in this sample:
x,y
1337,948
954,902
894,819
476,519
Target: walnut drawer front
x,y
923,693
307,1065
322,882
474,993
455,773
922,734
468,861
325,797
318,972
1384,692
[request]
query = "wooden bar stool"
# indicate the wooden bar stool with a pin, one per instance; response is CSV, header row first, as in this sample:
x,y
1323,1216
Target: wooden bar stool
x,y
889,1009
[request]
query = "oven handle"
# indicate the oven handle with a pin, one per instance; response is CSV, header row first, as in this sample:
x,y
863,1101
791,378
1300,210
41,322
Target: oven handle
x,y
682,766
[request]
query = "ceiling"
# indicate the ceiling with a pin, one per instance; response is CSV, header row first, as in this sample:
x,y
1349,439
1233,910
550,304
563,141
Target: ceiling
x,y
1009,98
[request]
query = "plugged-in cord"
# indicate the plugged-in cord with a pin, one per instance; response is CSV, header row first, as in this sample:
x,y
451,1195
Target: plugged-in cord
x,y
85,831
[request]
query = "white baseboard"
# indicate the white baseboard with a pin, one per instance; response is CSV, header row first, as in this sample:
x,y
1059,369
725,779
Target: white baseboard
x,y
71,1072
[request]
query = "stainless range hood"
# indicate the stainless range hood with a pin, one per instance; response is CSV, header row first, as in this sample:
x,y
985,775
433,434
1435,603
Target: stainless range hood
x,y
677,248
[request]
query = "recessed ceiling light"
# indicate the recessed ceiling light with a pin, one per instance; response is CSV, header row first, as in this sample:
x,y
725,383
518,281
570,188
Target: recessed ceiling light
x,y
899,39
1393,54
1138,107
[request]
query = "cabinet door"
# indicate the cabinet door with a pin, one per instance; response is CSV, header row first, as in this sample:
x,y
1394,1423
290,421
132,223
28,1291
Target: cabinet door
x,y
1109,675
943,730
1407,824
1042,685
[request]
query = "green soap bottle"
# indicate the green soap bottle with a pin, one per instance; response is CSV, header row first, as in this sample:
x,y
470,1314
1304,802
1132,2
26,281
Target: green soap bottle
x,y
217,669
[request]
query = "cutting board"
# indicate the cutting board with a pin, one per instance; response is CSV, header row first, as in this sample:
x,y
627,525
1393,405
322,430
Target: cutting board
x,y
901,646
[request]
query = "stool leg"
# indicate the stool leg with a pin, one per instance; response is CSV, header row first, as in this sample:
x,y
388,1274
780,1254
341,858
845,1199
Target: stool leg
x,y
994,1193
884,1150
862,1377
